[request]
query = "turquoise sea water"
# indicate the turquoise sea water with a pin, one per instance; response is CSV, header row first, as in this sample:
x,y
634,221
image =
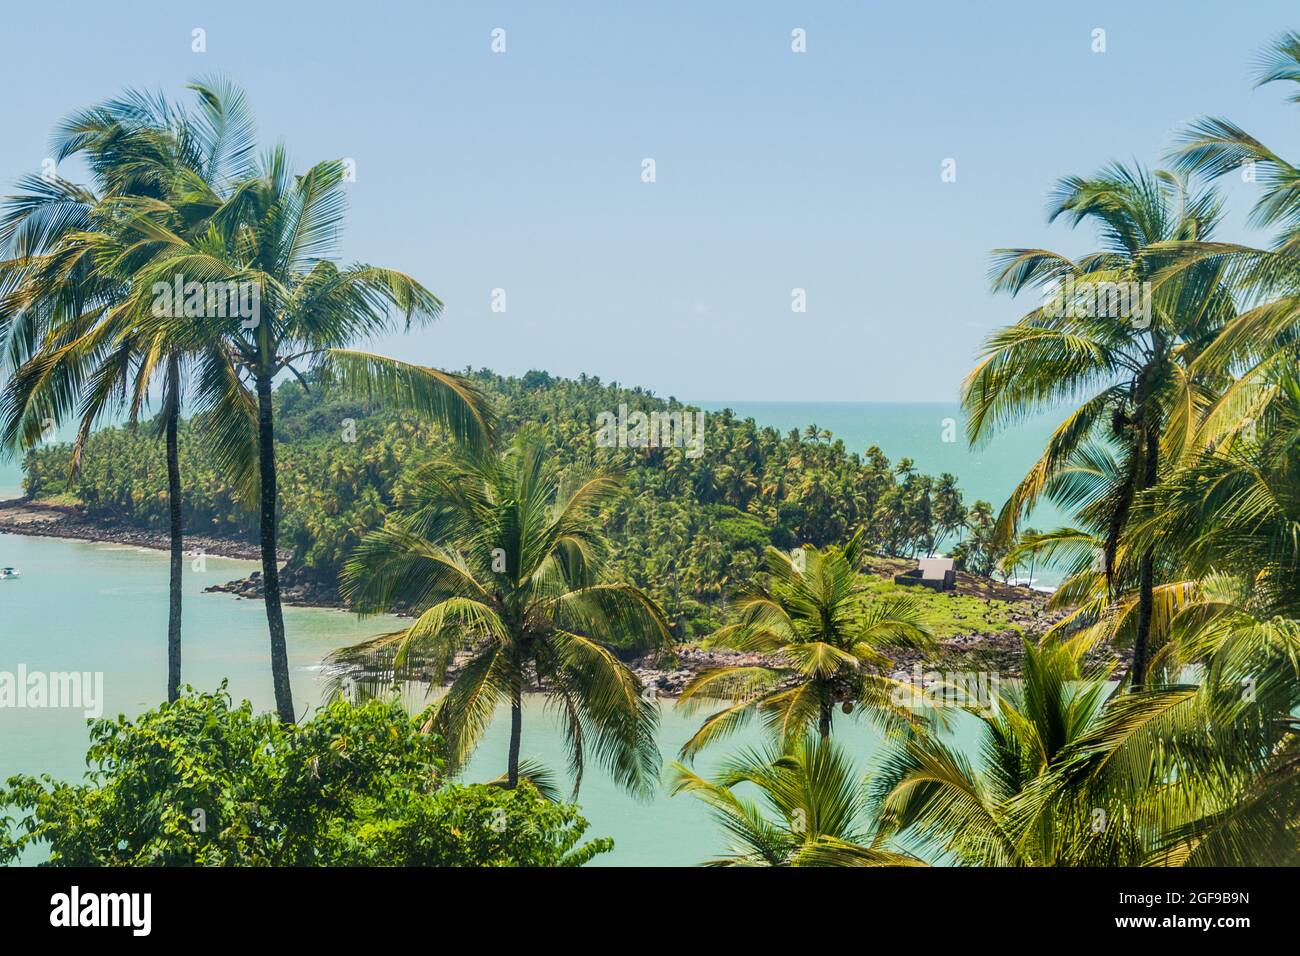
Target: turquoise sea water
x,y
103,608
11,479
81,606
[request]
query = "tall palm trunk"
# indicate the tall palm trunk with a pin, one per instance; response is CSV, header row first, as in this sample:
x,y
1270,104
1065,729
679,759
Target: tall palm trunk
x,y
1146,573
516,732
177,530
824,719
270,559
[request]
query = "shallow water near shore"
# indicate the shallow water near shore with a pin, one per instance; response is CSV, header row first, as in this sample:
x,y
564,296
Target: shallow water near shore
x,y
81,606
103,608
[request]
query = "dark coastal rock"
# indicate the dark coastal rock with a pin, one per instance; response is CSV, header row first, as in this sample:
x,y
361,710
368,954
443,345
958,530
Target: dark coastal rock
x,y
41,520
296,589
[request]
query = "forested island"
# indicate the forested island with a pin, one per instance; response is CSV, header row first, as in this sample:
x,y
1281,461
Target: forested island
x,y
686,531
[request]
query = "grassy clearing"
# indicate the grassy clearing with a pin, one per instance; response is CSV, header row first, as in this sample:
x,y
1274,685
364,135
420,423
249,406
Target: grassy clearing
x,y
950,614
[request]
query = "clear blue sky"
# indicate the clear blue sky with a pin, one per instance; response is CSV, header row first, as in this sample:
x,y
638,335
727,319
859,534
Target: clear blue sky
x,y
774,170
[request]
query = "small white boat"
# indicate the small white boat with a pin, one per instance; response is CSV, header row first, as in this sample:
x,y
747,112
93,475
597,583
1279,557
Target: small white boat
x,y
7,573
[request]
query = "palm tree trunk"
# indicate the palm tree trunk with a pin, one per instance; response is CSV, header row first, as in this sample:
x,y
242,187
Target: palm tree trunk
x,y
1146,574
177,533
824,720
270,558
516,731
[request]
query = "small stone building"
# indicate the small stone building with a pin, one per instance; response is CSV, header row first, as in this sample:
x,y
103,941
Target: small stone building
x,y
938,574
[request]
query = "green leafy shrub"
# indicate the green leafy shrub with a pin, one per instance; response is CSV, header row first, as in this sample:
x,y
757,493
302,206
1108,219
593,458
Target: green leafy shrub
x,y
201,782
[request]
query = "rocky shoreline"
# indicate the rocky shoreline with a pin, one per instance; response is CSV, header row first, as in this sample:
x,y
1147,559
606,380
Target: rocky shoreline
x,y
995,652
295,590
39,519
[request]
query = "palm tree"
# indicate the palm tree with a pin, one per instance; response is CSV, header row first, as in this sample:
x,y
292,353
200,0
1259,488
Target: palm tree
x,y
950,512
503,556
828,641
1012,562
928,790
1259,347
1235,510
1130,368
1205,774
72,262
1073,774
276,233
818,802
980,551
1215,147
1098,609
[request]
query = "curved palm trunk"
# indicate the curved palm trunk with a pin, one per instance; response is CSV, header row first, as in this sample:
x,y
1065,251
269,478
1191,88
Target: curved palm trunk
x,y
516,732
270,560
177,533
1146,574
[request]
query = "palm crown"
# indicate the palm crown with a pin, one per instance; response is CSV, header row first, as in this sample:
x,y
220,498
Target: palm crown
x,y
816,809
828,644
503,557
75,339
